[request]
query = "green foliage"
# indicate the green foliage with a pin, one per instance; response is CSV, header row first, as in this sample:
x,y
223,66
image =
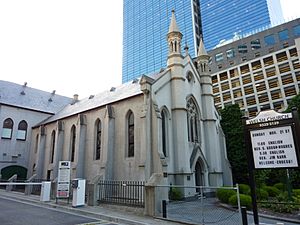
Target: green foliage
x,y
272,191
294,102
244,189
175,194
280,186
234,133
244,199
224,194
262,194
296,192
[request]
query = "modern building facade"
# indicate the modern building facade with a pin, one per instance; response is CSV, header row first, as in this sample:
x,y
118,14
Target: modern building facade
x,y
164,125
259,72
21,108
145,24
224,19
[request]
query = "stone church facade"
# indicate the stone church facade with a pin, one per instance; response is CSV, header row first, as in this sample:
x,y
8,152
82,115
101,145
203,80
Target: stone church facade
x,y
165,123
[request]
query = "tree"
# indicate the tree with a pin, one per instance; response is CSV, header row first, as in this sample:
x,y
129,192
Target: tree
x,y
294,102
232,126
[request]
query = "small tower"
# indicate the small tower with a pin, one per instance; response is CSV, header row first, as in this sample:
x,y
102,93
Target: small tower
x,y
202,59
174,38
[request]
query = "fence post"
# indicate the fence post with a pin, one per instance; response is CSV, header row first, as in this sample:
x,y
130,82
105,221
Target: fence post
x,y
244,216
10,180
164,208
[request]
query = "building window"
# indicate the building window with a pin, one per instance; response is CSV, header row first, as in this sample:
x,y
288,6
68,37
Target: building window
x,y
283,35
219,57
242,49
52,147
36,144
255,44
230,53
98,140
7,128
192,121
130,124
22,130
73,142
269,40
296,30
164,124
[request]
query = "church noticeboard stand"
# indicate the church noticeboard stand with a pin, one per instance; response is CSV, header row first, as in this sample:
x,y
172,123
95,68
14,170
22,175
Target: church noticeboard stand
x,y
272,142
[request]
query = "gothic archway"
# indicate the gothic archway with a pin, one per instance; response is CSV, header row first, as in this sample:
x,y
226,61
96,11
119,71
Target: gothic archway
x,y
199,179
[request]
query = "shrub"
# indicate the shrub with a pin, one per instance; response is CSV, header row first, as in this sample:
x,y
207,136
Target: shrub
x,y
244,189
296,192
244,199
272,191
175,194
262,194
224,194
280,186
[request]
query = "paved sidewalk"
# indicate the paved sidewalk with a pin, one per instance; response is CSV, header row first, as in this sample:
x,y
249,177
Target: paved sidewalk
x,y
112,214
115,214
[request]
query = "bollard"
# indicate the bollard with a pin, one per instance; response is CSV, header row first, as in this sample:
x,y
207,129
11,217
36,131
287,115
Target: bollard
x,y
244,216
164,208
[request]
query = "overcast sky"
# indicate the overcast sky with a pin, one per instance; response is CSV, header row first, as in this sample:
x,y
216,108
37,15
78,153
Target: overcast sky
x,y
71,46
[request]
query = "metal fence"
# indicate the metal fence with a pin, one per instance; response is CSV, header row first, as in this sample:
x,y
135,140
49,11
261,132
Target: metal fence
x,y
197,205
130,193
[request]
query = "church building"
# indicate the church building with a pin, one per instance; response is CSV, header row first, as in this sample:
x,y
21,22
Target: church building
x,y
164,123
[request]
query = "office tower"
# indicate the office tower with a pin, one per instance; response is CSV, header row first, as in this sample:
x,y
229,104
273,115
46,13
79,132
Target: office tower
x,y
259,72
224,19
145,27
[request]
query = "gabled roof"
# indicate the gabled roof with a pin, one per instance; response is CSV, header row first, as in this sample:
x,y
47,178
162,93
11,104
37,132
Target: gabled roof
x,y
26,97
122,92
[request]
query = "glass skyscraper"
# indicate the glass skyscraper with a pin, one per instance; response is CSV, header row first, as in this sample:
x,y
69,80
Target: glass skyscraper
x,y
222,19
146,24
145,29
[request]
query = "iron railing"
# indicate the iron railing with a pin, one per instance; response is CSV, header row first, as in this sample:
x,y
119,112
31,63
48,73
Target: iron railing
x,y
130,193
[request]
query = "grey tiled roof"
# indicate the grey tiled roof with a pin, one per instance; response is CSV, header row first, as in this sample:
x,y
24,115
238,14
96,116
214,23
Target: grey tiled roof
x,y
119,93
31,98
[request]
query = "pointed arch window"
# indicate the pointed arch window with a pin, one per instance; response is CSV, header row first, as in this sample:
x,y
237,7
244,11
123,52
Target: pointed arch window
x,y
164,126
73,142
36,144
7,128
193,121
130,130
22,130
98,134
52,146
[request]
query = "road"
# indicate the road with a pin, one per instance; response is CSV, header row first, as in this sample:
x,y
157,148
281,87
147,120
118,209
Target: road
x,y
14,212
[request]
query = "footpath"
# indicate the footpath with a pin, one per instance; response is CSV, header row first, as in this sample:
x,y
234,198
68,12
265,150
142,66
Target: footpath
x,y
112,214
120,215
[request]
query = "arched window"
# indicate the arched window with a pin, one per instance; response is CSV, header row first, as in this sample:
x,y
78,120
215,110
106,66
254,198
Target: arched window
x,y
164,133
36,144
52,146
98,139
7,128
192,121
73,142
130,124
22,131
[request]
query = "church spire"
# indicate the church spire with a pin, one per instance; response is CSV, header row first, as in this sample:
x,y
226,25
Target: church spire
x,y
202,58
174,37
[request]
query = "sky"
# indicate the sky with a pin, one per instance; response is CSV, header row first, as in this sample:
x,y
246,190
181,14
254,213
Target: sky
x,y
71,46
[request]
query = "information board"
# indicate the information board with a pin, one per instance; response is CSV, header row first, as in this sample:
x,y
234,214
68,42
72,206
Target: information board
x,y
63,182
273,148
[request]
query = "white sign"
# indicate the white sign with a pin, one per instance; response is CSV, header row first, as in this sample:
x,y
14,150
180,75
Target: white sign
x,y
269,117
273,148
63,181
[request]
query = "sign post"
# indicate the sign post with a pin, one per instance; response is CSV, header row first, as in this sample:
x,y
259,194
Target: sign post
x,y
63,181
272,141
